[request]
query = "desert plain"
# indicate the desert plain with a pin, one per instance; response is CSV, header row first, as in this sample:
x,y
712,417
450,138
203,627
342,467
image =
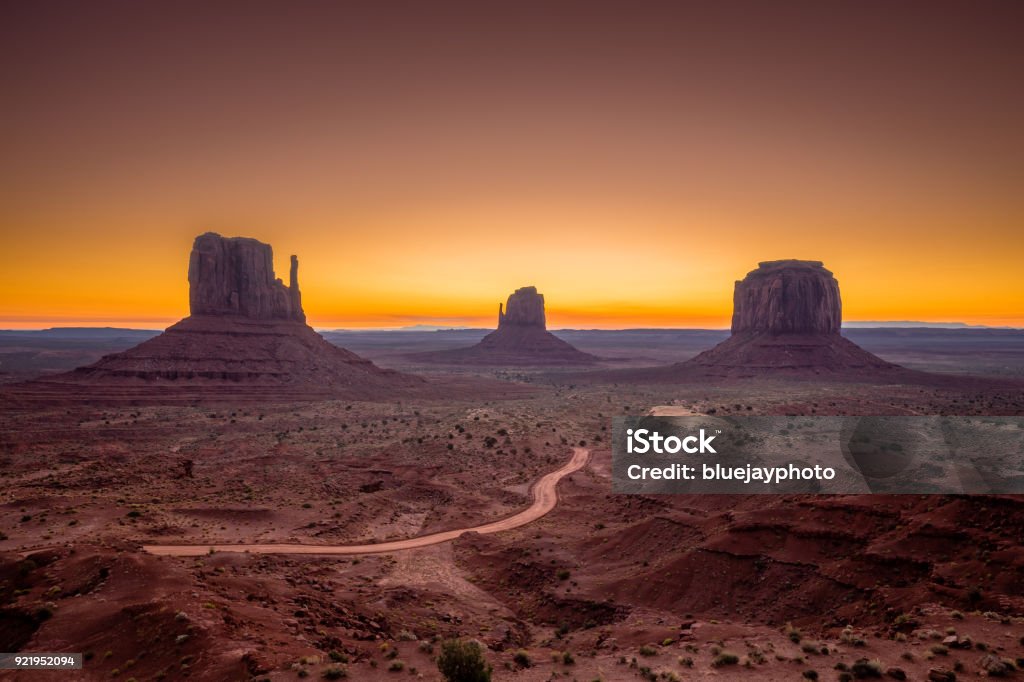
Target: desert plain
x,y
603,586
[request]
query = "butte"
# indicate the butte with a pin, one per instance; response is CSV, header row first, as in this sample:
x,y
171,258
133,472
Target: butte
x,y
786,322
246,334
787,316
521,338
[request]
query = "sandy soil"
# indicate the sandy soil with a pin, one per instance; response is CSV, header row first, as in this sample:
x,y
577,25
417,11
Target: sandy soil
x,y
601,586
545,498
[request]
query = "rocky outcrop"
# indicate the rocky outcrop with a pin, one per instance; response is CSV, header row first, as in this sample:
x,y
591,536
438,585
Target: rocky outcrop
x,y
787,297
235,276
521,338
787,316
524,308
248,329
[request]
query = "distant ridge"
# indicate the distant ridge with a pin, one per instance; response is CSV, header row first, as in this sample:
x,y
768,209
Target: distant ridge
x,y
910,324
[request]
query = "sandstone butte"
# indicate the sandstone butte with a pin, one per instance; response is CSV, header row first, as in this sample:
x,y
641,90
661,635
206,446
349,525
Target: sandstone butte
x,y
521,339
245,327
787,316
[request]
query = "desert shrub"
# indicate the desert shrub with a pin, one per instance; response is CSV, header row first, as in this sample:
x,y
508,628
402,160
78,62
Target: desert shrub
x,y
940,650
522,659
810,674
336,673
396,666
863,669
725,658
852,638
647,650
463,662
793,633
567,658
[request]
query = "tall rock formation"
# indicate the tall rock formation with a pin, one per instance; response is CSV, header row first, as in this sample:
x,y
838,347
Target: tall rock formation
x,y
521,338
246,327
524,308
787,316
235,276
787,297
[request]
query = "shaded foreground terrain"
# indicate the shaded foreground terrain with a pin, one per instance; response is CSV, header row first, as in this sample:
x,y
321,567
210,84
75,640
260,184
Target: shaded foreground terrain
x,y
603,587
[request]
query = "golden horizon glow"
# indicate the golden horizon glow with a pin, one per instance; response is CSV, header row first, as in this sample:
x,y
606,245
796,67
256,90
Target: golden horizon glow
x,y
458,280
632,166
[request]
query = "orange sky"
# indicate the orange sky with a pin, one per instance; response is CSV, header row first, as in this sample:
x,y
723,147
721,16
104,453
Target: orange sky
x,y
424,160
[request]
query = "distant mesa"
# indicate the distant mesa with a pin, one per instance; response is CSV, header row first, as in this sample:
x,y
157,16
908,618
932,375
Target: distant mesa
x,y
521,338
787,316
246,327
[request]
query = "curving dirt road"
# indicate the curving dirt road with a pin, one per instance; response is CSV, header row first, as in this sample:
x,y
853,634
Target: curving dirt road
x,y
545,497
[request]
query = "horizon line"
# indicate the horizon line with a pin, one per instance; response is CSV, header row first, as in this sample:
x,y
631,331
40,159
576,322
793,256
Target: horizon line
x,y
852,324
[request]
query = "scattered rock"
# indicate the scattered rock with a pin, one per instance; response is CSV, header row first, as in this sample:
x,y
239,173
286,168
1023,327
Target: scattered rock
x,y
955,642
995,666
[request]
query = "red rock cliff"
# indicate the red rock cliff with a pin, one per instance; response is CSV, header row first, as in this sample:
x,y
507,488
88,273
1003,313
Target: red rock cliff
x,y
787,297
525,308
235,276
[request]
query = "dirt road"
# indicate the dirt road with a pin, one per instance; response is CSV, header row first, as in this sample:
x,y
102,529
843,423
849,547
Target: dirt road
x,y
545,497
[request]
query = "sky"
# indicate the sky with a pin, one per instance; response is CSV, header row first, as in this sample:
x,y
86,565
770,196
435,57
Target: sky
x,y
631,159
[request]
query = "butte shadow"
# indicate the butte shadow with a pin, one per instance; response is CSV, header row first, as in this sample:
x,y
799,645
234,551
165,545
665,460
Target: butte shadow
x,y
786,325
521,339
246,337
